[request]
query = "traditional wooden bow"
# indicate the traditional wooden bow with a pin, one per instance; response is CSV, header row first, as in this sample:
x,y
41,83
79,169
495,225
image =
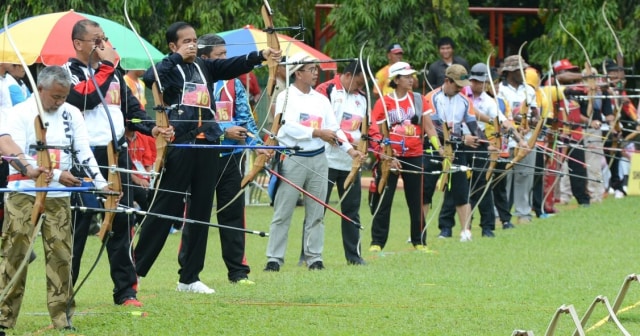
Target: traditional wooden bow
x,y
162,120
364,131
273,43
43,160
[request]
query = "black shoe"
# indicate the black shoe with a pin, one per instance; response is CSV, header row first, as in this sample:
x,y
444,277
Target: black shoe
x,y
488,233
507,225
316,266
32,257
272,266
445,233
358,261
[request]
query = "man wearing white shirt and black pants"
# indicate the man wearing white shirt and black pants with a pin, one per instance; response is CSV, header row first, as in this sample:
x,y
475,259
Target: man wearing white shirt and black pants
x,y
308,122
350,107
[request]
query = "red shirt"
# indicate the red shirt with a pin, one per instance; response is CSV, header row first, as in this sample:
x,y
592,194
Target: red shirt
x,y
142,151
402,131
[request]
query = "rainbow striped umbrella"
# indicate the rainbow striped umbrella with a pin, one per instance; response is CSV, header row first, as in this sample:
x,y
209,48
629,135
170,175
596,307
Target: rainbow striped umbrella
x,y
46,39
244,40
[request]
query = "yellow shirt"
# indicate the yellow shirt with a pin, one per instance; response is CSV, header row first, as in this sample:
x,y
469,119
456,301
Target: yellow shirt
x,y
137,89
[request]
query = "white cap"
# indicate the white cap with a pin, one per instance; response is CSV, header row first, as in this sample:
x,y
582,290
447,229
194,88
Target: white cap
x,y
400,68
299,57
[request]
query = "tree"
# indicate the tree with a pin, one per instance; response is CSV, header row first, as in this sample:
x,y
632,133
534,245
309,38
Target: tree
x,y
384,22
584,19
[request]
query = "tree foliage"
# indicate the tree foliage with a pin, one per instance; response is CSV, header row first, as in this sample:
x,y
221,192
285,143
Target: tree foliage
x,y
584,19
384,22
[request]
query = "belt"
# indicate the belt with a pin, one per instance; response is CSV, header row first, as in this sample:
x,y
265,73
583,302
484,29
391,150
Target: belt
x,y
121,142
309,153
17,177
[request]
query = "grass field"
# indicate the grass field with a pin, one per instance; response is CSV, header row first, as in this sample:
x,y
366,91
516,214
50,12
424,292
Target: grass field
x,y
487,287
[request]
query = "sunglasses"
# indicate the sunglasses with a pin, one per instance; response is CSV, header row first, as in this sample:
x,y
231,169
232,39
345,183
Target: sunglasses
x,y
96,41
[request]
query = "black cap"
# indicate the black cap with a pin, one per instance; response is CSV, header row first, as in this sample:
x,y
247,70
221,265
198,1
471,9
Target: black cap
x,y
611,65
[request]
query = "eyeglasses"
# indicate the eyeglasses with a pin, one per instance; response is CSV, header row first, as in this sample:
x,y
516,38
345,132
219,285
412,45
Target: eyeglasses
x,y
311,70
96,41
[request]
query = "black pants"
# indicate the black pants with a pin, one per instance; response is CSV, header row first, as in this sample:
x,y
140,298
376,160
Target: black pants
x,y
500,197
184,168
538,183
478,187
140,196
412,193
459,194
350,207
579,175
118,247
232,242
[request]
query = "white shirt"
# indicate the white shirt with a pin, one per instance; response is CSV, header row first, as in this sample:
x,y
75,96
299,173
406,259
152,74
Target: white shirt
x,y
514,97
488,106
65,127
302,113
5,97
348,110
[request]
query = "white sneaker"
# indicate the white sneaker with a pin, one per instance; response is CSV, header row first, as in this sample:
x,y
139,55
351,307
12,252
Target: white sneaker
x,y
619,194
195,287
465,236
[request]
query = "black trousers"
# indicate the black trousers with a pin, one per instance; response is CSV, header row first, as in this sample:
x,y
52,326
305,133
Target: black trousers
x,y
538,183
412,193
118,247
500,197
579,175
232,242
471,191
184,168
350,207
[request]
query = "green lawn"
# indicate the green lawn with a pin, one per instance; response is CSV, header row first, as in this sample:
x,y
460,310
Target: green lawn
x,y
487,287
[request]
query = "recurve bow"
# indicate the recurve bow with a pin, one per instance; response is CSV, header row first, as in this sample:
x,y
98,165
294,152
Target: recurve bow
x,y
43,160
364,130
273,43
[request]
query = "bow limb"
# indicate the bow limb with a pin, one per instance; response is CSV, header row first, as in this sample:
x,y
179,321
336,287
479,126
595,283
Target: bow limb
x,y
620,63
444,180
364,130
620,53
273,43
496,138
43,160
162,120
385,162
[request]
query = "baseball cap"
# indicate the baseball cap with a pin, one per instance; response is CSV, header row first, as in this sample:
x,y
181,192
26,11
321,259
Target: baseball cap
x,y
564,65
395,48
458,74
400,68
299,57
512,63
479,72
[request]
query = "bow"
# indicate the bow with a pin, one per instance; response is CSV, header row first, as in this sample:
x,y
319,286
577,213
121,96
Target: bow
x,y
43,160
521,153
113,152
162,120
364,130
273,43
620,62
495,139
444,180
